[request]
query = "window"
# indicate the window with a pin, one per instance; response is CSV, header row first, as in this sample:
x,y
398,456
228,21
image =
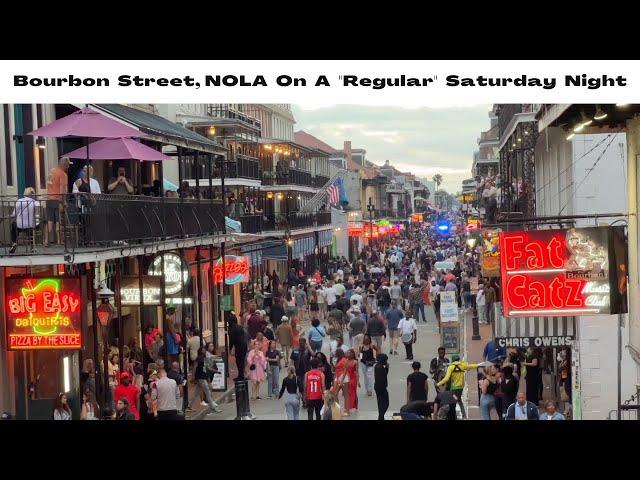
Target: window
x,y
7,145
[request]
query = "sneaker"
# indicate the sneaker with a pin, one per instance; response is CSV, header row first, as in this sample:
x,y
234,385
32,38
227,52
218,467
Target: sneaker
x,y
203,403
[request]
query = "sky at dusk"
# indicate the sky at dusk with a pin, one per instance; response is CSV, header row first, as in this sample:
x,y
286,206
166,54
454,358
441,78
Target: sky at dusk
x,y
422,141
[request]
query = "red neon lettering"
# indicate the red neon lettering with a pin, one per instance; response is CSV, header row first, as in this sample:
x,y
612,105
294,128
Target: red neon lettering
x,y
514,286
574,292
556,249
554,290
538,295
511,252
535,257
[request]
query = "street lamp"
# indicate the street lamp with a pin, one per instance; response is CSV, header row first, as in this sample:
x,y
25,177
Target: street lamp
x,y
105,314
371,209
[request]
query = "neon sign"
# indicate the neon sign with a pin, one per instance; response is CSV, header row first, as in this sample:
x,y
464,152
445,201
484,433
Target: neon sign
x,y
559,272
236,267
43,313
176,272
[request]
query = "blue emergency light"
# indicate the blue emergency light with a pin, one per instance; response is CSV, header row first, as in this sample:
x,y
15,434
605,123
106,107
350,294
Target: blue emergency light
x,y
443,227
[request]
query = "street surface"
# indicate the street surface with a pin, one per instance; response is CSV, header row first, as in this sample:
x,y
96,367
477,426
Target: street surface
x,y
423,351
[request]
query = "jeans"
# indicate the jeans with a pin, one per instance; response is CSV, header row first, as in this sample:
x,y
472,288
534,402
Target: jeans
x,y
466,296
273,377
383,402
383,311
315,346
409,349
490,313
202,387
482,313
367,374
487,402
417,308
458,393
292,405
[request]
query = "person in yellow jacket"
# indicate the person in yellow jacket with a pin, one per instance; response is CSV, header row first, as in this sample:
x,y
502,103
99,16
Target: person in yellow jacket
x,y
454,378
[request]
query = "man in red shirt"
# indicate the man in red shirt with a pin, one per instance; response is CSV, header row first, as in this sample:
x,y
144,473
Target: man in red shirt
x,y
313,389
449,277
130,392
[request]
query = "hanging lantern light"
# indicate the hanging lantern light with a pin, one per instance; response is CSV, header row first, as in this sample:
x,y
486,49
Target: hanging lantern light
x,y
105,312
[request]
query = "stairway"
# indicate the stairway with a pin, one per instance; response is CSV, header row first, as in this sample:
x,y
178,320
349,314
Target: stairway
x,y
321,197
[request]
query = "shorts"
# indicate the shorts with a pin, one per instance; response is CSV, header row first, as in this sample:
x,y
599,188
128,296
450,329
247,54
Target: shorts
x,y
314,306
53,210
393,332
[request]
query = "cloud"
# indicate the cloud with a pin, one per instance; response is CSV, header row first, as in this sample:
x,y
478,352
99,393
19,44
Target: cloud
x,y
423,141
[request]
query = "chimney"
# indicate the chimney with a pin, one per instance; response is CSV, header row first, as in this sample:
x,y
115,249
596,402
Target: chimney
x,y
347,153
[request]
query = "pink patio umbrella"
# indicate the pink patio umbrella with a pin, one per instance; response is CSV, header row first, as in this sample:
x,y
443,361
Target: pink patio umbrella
x,y
86,123
119,149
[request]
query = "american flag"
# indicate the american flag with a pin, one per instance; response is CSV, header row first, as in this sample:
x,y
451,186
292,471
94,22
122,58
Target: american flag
x,y
333,192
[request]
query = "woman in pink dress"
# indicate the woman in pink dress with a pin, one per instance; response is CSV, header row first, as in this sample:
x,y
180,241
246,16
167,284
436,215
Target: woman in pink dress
x,y
257,370
354,380
261,342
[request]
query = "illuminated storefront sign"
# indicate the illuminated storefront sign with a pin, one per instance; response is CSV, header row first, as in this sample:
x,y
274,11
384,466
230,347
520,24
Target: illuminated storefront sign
x,y
490,259
525,342
564,272
174,268
356,231
417,217
237,270
43,313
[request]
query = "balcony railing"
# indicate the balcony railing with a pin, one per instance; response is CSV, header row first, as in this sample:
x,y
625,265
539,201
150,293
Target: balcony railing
x,y
244,167
224,111
98,221
251,223
292,176
320,181
295,221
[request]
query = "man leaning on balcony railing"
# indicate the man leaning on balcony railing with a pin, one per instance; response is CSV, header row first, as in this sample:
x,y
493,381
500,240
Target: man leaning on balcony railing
x,y
27,218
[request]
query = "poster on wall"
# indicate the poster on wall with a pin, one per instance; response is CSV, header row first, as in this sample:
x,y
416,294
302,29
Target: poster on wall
x,y
490,253
43,313
576,271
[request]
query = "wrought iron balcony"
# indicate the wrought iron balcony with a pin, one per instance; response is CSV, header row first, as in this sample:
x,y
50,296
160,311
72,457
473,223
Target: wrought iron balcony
x,y
291,176
244,166
89,221
320,181
295,221
251,223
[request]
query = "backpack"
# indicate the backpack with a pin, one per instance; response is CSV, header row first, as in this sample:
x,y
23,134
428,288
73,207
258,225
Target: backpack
x,y
456,369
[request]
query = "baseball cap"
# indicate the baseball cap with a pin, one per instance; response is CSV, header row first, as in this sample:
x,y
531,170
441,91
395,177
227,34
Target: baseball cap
x,y
125,375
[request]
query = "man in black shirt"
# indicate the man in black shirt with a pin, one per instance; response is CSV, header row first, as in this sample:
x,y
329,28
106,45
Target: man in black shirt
x,y
418,410
380,372
301,358
417,387
276,313
239,341
438,366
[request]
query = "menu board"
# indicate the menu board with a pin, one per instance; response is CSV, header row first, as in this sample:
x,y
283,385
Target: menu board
x,y
448,307
451,338
219,382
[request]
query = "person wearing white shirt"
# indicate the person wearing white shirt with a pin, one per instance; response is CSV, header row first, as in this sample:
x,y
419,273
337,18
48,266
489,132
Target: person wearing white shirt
x,y
357,296
408,335
480,304
93,183
330,294
26,214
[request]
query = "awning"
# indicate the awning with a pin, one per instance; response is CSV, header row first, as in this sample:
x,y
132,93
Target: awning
x,y
303,247
277,252
541,331
325,237
160,129
254,252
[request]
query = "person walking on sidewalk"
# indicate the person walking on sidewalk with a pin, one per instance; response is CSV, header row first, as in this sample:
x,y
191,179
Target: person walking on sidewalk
x,y
417,387
408,334
201,378
273,370
454,378
393,317
284,336
490,300
380,373
481,302
367,353
377,330
313,389
291,395
439,365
